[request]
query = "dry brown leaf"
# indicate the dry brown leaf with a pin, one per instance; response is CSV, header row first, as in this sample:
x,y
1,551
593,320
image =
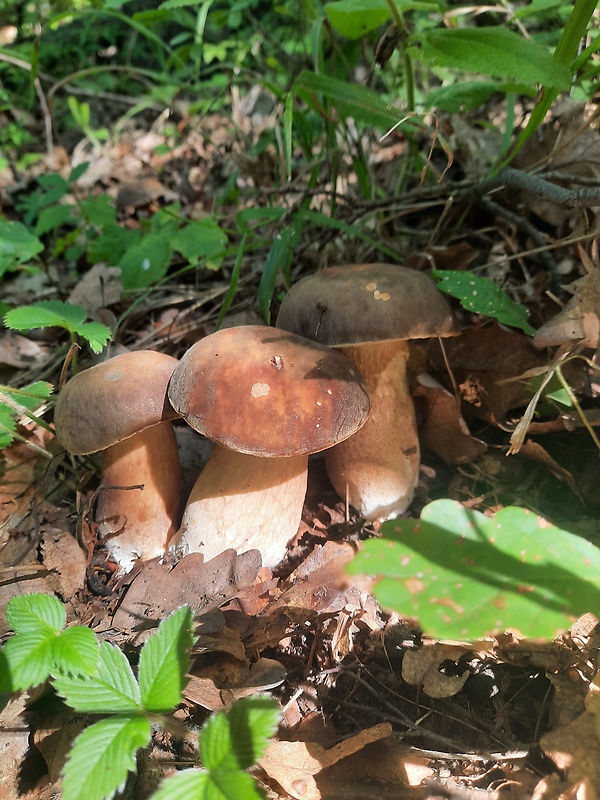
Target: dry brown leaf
x,y
156,591
575,749
422,668
99,287
62,554
294,764
134,194
218,685
443,430
19,351
14,744
482,360
579,320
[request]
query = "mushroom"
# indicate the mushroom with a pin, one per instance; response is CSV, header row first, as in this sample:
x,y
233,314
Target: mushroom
x,y
121,407
268,399
369,312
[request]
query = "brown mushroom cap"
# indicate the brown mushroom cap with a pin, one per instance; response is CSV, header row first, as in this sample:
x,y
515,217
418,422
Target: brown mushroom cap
x,y
268,393
113,401
350,305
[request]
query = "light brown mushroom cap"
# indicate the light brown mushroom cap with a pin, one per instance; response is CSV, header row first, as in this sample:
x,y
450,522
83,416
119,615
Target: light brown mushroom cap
x,y
360,303
268,393
114,400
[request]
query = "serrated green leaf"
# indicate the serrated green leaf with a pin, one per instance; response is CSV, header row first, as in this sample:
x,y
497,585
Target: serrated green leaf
x,y
99,210
355,18
464,575
147,261
75,652
30,396
7,426
36,613
185,785
17,245
483,296
55,313
112,244
102,756
112,689
164,662
95,334
54,217
45,314
237,739
494,51
202,240
28,657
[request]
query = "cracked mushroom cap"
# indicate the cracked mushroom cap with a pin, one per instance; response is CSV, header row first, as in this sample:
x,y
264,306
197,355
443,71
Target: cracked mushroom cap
x,y
269,393
344,306
114,400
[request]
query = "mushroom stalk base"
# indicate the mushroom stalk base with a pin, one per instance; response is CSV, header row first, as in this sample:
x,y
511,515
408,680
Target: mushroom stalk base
x,y
377,469
142,520
244,502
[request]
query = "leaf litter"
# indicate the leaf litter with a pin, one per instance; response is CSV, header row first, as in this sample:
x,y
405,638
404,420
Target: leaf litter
x,y
371,706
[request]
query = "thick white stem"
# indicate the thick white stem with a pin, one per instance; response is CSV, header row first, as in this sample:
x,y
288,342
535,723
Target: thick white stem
x,y
377,468
244,502
143,519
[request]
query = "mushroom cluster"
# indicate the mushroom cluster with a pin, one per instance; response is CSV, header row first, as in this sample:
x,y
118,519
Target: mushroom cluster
x,y
369,312
332,376
266,397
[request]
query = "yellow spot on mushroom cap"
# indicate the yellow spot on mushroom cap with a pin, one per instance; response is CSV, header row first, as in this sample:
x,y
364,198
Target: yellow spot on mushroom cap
x,y
260,390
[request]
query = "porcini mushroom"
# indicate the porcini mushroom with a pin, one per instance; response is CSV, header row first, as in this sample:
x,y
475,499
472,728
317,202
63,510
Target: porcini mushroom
x,y
268,399
121,407
369,312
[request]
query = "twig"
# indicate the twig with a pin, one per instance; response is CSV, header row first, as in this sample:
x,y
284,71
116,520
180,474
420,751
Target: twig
x,y
19,62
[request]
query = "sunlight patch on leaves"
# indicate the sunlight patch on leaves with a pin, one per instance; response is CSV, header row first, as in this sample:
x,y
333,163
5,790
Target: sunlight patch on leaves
x,y
164,662
464,575
36,613
113,687
483,296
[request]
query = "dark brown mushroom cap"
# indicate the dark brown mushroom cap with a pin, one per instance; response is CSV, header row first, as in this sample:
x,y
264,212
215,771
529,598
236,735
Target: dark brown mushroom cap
x,y
114,400
268,393
343,306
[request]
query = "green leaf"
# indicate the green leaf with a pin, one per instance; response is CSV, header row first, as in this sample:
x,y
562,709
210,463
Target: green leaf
x,y
8,426
483,296
102,756
112,244
54,217
279,259
147,261
465,575
494,51
189,784
99,210
55,313
28,657
466,95
202,240
355,18
164,662
350,99
96,334
17,245
237,739
75,651
36,613
112,689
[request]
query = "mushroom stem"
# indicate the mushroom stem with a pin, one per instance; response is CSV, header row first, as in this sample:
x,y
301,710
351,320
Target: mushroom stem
x,y
143,520
377,468
244,502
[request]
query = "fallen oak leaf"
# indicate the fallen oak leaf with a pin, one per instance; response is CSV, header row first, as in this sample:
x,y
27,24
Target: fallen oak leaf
x,y
294,764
